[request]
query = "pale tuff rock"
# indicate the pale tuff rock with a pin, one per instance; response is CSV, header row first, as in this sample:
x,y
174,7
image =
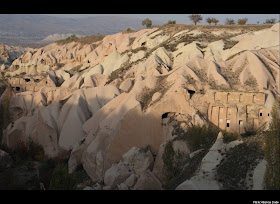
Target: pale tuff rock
x,y
94,80
117,174
137,56
131,180
2,67
186,52
255,41
122,186
139,159
126,85
156,96
147,181
73,108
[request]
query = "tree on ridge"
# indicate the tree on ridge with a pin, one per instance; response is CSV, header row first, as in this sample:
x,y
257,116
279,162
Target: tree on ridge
x,y
196,18
147,22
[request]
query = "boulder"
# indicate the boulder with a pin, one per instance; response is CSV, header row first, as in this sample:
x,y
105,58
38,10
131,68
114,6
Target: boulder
x,y
148,181
117,174
97,186
122,186
126,85
131,181
139,159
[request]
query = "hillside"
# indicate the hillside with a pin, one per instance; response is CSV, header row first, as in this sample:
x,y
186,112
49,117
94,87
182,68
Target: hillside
x,y
120,107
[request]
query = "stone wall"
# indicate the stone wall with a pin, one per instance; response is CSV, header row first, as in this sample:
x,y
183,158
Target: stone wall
x,y
237,111
30,84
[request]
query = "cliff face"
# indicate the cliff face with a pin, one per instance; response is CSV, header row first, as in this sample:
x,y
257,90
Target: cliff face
x,y
100,99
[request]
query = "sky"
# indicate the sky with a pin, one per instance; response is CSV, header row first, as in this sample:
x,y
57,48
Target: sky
x,y
183,18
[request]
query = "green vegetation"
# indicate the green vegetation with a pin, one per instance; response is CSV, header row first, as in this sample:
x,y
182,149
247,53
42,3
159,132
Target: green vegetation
x,y
197,137
147,22
146,97
22,175
171,22
61,179
230,136
251,82
173,162
272,151
239,163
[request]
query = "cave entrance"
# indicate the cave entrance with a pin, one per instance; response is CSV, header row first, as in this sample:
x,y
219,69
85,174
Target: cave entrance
x,y
17,88
27,80
165,115
191,92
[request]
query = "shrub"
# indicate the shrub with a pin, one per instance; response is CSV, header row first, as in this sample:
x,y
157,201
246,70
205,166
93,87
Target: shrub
x,y
171,22
173,162
229,44
229,21
239,161
230,136
198,137
242,21
270,21
251,82
61,179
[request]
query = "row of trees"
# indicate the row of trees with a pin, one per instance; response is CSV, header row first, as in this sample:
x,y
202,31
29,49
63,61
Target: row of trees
x,y
197,18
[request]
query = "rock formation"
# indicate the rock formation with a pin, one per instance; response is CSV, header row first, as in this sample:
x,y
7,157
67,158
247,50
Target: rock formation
x,y
112,102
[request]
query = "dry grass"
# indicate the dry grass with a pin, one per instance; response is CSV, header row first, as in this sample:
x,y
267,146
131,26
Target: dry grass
x,y
83,41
